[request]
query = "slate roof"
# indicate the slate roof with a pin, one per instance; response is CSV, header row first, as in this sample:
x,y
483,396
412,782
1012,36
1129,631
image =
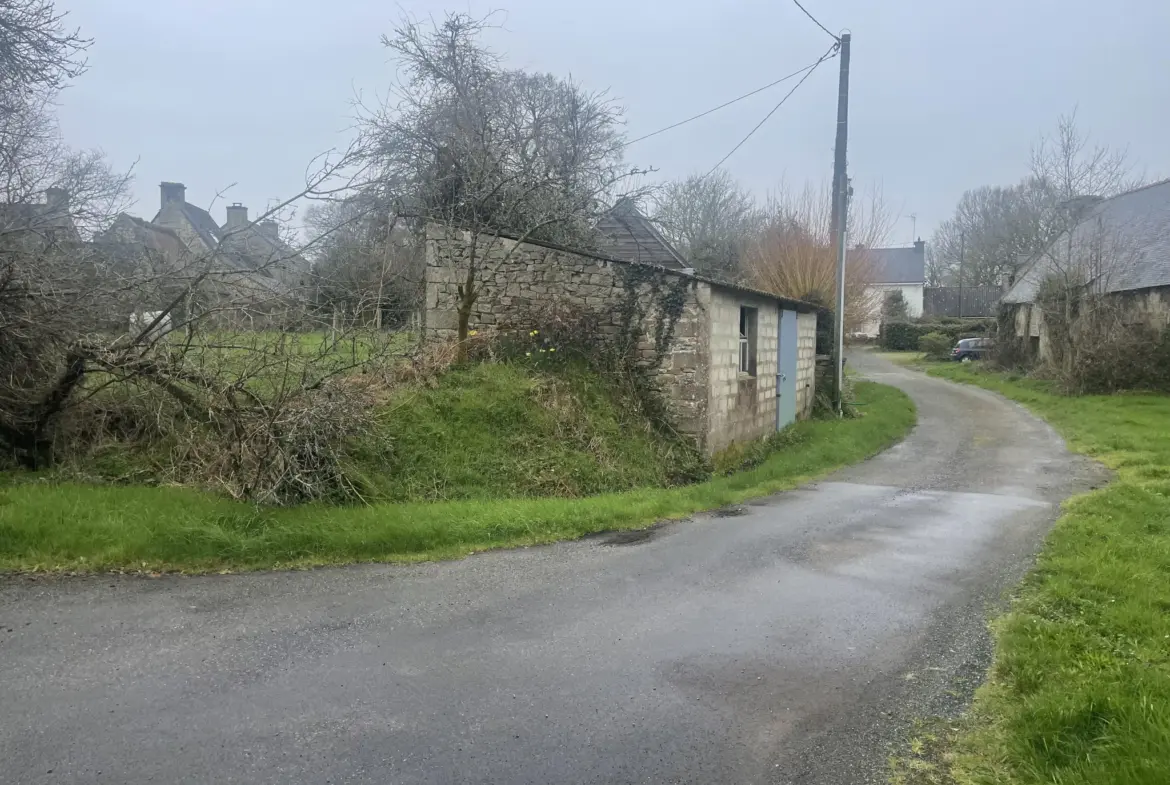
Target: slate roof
x,y
1132,230
629,236
201,221
51,221
251,247
894,265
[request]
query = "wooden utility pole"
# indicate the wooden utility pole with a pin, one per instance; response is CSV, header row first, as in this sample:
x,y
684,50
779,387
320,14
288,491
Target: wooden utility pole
x,y
840,213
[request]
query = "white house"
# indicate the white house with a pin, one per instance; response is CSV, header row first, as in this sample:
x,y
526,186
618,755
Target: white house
x,y
901,269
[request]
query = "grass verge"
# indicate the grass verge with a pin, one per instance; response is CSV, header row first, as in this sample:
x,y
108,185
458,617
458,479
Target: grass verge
x,y
59,526
1080,688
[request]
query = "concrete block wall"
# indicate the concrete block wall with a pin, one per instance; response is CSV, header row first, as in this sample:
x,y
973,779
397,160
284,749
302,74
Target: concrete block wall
x,y
741,408
806,363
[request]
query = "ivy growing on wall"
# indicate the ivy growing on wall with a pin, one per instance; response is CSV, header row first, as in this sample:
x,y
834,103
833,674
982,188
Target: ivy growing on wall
x,y
649,292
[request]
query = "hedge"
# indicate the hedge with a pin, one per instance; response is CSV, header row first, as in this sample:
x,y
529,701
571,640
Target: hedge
x,y
904,336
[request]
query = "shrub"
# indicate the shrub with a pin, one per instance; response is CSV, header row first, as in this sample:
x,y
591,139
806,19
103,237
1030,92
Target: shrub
x,y
935,345
900,336
904,336
894,307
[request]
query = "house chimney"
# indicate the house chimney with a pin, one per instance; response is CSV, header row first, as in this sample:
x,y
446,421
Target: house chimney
x,y
920,246
57,199
237,216
269,229
172,192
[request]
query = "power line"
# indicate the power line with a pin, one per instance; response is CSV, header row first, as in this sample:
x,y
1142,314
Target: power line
x,y
818,24
827,55
729,103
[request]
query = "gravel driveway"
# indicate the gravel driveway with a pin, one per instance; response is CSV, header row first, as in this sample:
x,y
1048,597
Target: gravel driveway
x,y
788,641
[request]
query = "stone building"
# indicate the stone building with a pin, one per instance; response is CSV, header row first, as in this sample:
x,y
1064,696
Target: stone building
x,y
248,274
1118,247
734,364
194,225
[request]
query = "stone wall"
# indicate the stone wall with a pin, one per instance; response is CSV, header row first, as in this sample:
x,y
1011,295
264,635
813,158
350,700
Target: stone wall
x,y
518,279
741,407
806,363
695,360
1150,307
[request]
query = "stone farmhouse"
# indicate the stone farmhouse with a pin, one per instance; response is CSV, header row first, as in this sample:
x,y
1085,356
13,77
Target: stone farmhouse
x,y
1119,247
241,243
254,271
734,364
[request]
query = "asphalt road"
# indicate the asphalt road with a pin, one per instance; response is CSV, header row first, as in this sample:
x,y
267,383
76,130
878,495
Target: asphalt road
x,y
789,643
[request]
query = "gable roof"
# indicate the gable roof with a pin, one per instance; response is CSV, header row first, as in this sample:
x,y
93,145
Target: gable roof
x,y
628,235
893,265
53,222
200,220
253,247
1131,231
130,229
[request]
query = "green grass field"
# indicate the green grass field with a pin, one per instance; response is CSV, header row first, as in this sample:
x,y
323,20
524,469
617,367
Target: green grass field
x,y
62,526
1080,690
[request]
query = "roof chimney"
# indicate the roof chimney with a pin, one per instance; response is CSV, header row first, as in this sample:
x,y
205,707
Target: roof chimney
x,y
920,246
172,192
57,198
237,216
269,229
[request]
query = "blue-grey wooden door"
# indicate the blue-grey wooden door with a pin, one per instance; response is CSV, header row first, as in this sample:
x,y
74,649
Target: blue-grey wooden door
x,y
786,370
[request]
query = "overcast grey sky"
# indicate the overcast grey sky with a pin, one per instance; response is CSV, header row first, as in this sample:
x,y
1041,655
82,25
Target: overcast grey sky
x,y
946,95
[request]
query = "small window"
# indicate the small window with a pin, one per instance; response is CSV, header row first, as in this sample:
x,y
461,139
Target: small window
x,y
747,340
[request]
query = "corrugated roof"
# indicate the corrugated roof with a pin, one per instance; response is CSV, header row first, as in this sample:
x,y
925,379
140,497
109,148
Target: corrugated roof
x,y
893,265
1123,242
628,235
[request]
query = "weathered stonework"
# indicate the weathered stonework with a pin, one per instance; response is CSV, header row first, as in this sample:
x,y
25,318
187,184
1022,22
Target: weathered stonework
x,y
697,367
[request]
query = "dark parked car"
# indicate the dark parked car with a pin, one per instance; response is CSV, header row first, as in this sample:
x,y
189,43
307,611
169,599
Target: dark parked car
x,y
970,349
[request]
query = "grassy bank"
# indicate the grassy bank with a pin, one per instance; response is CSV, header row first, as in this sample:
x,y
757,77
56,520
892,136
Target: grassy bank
x,y
1080,689
501,430
54,526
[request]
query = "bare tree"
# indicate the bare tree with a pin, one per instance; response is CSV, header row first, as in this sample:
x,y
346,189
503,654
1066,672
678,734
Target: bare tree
x,y
113,329
994,231
793,255
1070,165
39,53
486,151
710,219
369,265
998,230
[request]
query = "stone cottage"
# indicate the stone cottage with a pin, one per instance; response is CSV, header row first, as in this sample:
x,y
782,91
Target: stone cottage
x,y
1120,246
734,364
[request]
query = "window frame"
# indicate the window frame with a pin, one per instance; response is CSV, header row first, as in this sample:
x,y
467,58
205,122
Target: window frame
x,y
749,322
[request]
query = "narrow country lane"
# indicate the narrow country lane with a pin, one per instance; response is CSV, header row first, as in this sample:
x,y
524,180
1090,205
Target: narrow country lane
x,y
791,643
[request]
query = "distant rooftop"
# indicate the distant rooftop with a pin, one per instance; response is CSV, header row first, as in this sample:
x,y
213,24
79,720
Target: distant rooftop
x,y
894,265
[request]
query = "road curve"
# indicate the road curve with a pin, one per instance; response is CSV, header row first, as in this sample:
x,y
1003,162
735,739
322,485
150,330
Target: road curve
x,y
790,643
